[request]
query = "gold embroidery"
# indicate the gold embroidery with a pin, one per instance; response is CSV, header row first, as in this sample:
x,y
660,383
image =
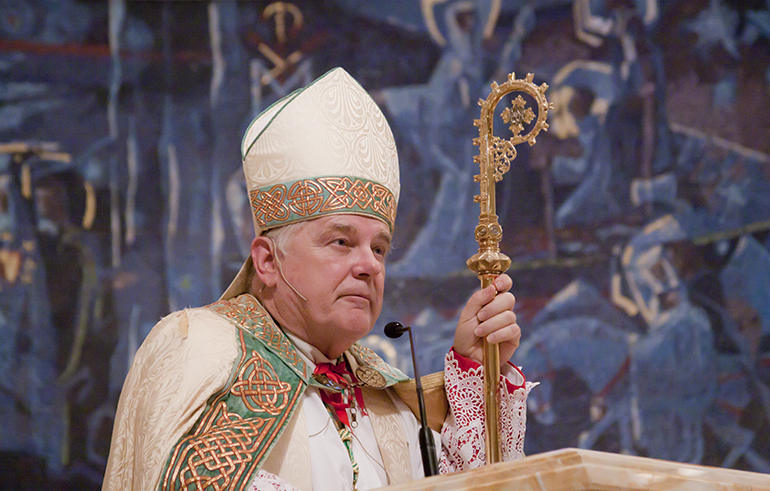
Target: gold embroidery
x,y
349,194
384,202
246,312
368,357
320,196
305,197
259,388
269,206
221,450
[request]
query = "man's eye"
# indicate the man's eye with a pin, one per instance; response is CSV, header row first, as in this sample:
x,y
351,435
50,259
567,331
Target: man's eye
x,y
380,251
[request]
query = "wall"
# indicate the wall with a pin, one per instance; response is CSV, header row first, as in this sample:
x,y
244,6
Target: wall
x,y
637,226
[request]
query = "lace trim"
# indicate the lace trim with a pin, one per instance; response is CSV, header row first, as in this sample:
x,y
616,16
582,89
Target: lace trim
x,y
462,436
265,481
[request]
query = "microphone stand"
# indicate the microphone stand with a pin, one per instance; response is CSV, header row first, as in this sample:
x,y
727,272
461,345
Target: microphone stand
x,y
427,443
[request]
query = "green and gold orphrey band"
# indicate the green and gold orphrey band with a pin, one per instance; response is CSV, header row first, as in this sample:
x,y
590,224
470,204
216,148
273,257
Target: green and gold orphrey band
x,y
293,201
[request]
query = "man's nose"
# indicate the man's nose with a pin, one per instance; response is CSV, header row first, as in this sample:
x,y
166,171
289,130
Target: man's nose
x,y
367,263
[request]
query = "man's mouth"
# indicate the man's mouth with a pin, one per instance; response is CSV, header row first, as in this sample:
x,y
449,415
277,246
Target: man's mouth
x,y
361,296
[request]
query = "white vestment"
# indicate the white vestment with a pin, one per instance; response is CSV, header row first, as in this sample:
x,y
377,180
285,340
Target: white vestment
x,y
189,355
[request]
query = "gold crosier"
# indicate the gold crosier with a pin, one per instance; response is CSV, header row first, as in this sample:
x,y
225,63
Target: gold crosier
x,y
494,159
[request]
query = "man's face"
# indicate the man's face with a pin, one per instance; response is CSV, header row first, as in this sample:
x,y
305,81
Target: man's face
x,y
338,264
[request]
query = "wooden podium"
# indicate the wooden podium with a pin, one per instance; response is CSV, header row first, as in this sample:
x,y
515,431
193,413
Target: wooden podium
x,y
573,469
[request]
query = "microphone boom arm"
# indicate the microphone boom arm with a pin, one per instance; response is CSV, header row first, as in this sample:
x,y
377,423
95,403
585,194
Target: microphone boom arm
x,y
427,443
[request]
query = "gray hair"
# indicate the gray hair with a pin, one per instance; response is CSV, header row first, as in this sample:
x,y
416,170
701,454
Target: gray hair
x,y
283,236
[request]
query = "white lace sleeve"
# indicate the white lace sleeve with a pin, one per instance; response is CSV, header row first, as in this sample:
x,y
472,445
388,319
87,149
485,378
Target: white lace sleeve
x,y
462,436
265,481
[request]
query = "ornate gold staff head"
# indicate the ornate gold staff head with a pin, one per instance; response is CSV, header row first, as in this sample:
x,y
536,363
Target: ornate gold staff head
x,y
494,159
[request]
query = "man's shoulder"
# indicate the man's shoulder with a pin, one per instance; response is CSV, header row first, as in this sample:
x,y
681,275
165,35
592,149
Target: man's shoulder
x,y
368,364
186,357
245,311
197,321
212,318
187,334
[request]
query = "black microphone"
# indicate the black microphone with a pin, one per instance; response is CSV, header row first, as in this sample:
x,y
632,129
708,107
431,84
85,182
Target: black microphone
x,y
427,444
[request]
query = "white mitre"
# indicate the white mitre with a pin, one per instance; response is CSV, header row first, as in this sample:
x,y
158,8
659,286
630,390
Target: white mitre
x,y
323,149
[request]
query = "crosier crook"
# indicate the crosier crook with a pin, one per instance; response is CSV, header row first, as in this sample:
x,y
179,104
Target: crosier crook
x,y
494,159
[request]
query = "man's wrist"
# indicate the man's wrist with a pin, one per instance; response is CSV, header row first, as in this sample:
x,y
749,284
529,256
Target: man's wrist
x,y
514,378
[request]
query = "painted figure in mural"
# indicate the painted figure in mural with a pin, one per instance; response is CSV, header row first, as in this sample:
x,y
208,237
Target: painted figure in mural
x,y
52,351
579,316
698,327
681,368
582,93
34,422
661,376
625,136
427,115
31,396
672,367
257,385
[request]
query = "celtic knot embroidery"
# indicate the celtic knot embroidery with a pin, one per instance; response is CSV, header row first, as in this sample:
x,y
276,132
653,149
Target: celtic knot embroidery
x,y
247,312
259,388
345,193
216,456
269,206
368,357
349,194
305,197
362,194
383,202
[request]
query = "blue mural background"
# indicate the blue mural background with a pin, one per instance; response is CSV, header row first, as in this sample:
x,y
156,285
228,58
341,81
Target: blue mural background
x,y
638,226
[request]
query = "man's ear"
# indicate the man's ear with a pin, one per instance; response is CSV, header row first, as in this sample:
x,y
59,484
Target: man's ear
x,y
263,257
